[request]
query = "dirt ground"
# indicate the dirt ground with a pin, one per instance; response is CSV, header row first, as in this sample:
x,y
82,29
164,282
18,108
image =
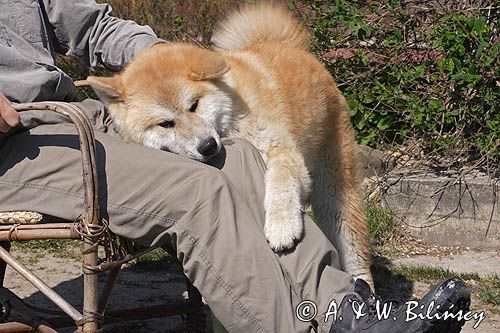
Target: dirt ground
x,y
139,285
136,287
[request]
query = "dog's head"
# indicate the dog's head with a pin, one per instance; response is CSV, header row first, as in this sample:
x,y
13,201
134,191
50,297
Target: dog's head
x,y
170,97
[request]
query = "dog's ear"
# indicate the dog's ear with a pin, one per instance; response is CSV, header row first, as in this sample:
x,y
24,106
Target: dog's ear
x,y
108,89
207,65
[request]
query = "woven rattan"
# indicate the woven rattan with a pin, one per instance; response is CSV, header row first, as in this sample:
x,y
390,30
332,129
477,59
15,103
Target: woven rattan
x,y
22,217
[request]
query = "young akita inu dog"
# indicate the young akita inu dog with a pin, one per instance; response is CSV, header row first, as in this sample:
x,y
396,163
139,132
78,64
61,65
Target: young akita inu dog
x,y
260,83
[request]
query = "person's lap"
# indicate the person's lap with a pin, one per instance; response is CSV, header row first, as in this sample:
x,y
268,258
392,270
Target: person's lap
x,y
152,196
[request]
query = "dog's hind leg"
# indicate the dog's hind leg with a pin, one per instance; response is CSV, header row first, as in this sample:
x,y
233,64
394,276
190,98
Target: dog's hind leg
x,y
337,203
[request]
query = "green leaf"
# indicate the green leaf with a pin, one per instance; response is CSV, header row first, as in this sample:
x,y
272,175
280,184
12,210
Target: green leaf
x,y
384,123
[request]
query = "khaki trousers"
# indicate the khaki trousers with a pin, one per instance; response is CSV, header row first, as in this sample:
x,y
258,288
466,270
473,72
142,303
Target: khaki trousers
x,y
211,214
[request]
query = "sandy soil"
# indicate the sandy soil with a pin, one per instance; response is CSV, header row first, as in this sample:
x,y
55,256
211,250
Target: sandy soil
x,y
134,288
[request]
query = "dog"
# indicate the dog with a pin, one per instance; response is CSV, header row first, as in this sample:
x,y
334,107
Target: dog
x,y
260,83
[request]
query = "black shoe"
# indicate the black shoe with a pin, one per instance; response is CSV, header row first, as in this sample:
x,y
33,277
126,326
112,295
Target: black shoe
x,y
363,312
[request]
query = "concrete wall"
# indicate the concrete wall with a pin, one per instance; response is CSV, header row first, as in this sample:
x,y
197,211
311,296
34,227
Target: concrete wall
x,y
439,209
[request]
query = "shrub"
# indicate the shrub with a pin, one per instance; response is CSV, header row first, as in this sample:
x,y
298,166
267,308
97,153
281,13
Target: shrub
x,y
416,72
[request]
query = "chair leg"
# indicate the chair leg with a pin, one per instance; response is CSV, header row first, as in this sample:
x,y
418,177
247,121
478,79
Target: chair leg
x,y
40,285
90,322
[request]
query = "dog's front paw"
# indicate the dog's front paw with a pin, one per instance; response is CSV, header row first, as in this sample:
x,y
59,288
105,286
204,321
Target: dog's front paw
x,y
282,230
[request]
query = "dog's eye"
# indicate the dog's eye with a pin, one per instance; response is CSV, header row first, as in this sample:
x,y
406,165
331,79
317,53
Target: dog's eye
x,y
167,124
194,106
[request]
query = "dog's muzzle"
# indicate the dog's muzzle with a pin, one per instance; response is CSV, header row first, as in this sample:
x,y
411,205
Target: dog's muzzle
x,y
208,147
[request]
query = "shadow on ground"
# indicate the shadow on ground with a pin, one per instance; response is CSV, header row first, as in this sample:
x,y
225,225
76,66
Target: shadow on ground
x,y
147,283
390,285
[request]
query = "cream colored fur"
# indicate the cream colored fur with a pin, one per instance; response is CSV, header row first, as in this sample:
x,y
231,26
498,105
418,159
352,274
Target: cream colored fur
x,y
262,85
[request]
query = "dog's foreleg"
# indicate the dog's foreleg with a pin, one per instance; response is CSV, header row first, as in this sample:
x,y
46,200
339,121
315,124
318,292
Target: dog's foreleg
x,y
287,184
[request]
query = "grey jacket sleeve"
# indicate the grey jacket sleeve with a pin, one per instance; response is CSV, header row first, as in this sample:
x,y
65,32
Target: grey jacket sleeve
x,y
87,31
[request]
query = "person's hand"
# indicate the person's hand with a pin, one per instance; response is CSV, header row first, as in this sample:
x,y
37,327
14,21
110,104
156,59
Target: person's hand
x,y
8,115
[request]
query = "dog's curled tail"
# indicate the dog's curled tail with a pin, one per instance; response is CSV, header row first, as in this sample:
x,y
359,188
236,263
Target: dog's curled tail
x,y
263,22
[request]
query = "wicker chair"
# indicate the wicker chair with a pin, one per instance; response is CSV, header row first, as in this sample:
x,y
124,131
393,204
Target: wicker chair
x,y
93,231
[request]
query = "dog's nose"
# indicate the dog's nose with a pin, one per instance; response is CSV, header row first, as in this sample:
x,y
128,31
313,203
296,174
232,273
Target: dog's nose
x,y
208,147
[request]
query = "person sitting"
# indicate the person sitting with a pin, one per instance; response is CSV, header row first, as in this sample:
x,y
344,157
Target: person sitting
x,y
211,214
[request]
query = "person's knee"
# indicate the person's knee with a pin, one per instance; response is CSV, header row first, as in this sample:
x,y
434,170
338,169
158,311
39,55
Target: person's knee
x,y
244,157
242,145
211,181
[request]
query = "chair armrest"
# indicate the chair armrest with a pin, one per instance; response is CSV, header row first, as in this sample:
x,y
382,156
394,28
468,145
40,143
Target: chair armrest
x,y
91,222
